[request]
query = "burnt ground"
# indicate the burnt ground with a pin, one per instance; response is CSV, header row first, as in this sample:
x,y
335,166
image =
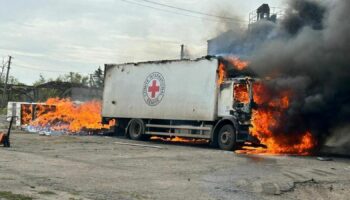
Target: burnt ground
x,y
94,167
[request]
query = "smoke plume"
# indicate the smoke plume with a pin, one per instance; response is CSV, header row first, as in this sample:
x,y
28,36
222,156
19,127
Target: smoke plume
x,y
307,52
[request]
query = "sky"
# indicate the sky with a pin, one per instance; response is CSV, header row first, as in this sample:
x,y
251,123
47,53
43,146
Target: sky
x,y
55,37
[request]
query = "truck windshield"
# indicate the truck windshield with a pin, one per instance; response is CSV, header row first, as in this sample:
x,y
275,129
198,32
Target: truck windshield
x,y
241,92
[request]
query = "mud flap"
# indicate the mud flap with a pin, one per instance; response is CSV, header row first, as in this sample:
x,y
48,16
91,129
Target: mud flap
x,y
243,136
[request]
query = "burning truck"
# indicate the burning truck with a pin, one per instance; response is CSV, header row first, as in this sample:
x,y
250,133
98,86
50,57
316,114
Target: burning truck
x,y
179,98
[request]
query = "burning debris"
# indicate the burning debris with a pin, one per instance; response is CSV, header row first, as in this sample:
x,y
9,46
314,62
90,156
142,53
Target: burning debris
x,y
180,140
63,116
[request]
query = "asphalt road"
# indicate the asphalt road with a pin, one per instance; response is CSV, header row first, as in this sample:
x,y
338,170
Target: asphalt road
x,y
92,167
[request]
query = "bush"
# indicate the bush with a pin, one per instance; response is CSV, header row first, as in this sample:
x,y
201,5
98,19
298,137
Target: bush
x,y
3,111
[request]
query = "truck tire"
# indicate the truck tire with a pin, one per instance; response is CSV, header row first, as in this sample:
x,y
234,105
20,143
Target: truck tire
x,y
227,138
136,129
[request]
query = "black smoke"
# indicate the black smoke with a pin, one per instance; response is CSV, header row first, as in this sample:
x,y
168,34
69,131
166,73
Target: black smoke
x,y
308,53
303,13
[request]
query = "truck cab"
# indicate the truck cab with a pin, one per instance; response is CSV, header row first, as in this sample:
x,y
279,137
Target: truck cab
x,y
235,104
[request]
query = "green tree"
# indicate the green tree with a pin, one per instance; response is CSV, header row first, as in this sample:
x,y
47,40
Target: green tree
x,y
40,81
98,78
74,77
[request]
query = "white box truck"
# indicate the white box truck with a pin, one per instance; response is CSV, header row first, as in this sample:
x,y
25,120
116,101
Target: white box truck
x,y
177,98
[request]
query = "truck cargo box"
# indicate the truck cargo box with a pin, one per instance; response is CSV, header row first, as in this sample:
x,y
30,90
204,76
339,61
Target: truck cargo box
x,y
177,90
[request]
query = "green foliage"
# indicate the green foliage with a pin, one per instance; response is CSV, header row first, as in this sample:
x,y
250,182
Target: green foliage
x,y
41,80
74,77
98,78
14,81
44,93
11,81
3,111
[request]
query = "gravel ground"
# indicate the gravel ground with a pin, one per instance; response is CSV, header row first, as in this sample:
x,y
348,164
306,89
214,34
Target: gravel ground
x,y
89,167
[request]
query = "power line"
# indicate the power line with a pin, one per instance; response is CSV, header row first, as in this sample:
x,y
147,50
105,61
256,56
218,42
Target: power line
x,y
167,11
191,11
177,13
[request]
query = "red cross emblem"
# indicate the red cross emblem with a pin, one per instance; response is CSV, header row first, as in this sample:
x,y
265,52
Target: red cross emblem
x,y
153,89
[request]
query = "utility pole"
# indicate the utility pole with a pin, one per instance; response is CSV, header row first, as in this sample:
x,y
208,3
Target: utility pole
x,y
71,76
2,69
6,80
182,54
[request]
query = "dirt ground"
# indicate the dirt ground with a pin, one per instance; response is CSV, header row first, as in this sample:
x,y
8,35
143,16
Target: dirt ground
x,y
93,167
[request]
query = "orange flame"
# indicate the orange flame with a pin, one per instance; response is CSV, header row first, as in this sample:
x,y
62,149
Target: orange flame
x,y
221,74
265,120
65,115
241,93
180,140
26,113
237,63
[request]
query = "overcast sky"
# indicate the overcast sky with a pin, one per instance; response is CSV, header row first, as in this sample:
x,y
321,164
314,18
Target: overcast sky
x,y
58,36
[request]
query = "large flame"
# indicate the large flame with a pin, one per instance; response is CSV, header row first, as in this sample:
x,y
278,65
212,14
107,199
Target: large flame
x,y
232,61
65,115
268,117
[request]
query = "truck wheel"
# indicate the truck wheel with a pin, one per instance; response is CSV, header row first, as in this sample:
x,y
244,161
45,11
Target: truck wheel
x,y
227,138
136,129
